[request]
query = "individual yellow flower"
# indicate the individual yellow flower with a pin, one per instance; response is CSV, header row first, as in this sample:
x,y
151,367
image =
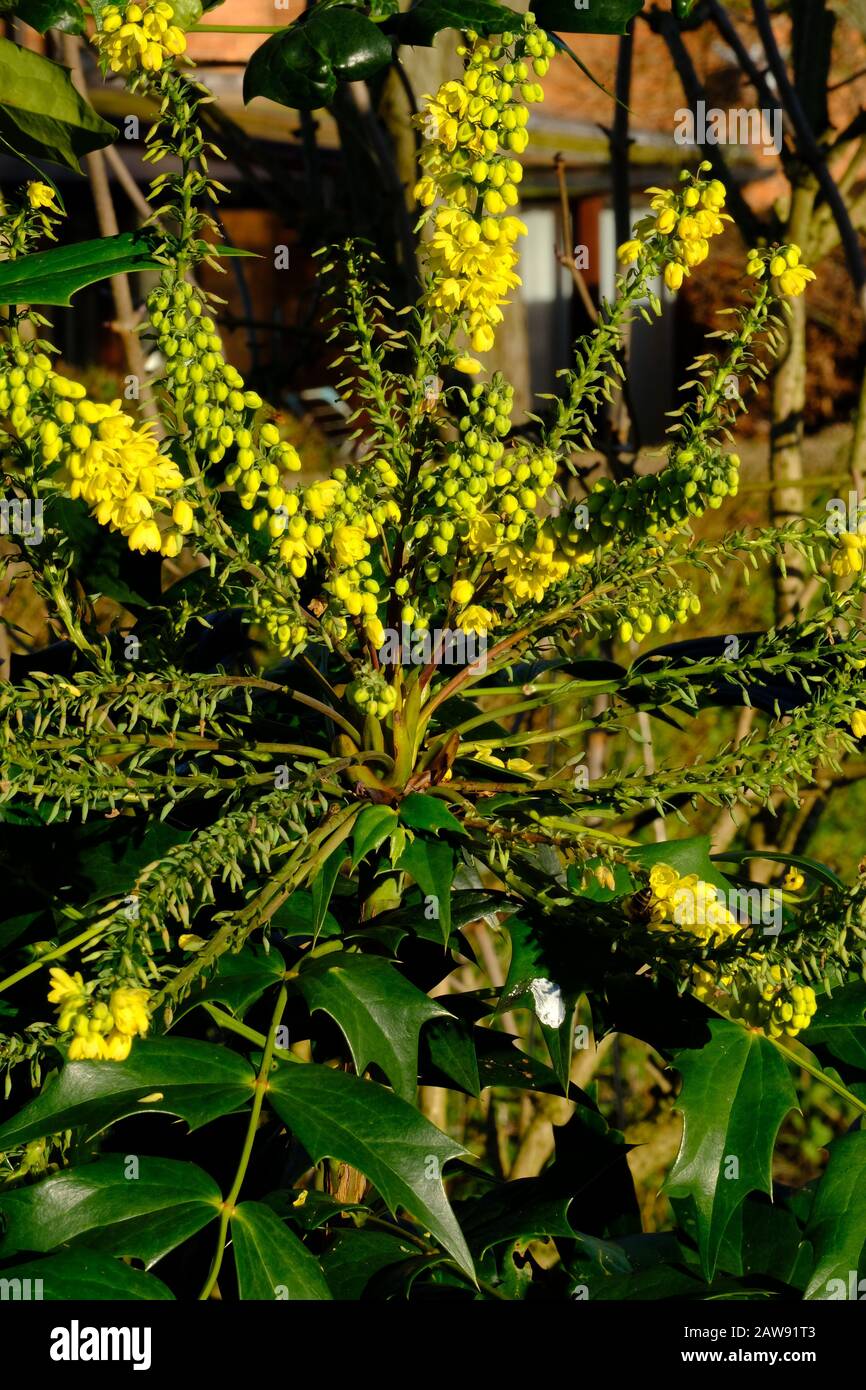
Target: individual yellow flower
x,y
320,498
476,619
629,251
41,195
674,275
663,879
793,880
462,591
64,986
349,544
129,1011
858,723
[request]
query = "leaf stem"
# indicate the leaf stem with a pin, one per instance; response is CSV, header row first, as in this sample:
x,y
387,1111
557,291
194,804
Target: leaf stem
x,y
261,1085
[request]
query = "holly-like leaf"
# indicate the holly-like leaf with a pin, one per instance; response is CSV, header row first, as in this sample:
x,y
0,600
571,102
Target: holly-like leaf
x,y
43,15
431,865
140,1212
516,1211
592,17
271,1262
422,812
353,1258
355,47
840,1024
379,1011
837,1221
42,115
195,1080
86,1276
287,69
689,856
373,825
241,979
53,277
335,1115
448,1055
302,64
420,24
736,1092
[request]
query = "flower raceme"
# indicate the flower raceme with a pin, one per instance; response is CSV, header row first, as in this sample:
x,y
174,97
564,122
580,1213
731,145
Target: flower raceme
x,y
748,988
685,221
476,128
92,451
100,1031
139,37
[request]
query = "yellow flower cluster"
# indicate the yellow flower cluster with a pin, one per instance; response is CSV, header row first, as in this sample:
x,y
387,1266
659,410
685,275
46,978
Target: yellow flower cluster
x,y
685,221
101,1032
688,903
139,37
117,469
475,128
764,997
784,263
95,451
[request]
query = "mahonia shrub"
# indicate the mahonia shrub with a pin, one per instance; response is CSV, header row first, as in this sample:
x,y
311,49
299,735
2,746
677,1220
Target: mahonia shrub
x,y
253,820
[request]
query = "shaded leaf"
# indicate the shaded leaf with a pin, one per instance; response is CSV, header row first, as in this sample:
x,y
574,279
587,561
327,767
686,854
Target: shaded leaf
x,y
335,1115
42,116
427,18
271,1262
595,17
840,1024
379,1012
837,1221
195,1080
86,1275
97,1204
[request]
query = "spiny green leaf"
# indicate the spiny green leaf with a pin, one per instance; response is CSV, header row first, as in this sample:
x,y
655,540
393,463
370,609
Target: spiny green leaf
x,y
271,1262
86,1276
53,277
42,115
373,825
431,865
335,1115
837,1221
422,812
138,1207
736,1092
195,1080
379,1011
